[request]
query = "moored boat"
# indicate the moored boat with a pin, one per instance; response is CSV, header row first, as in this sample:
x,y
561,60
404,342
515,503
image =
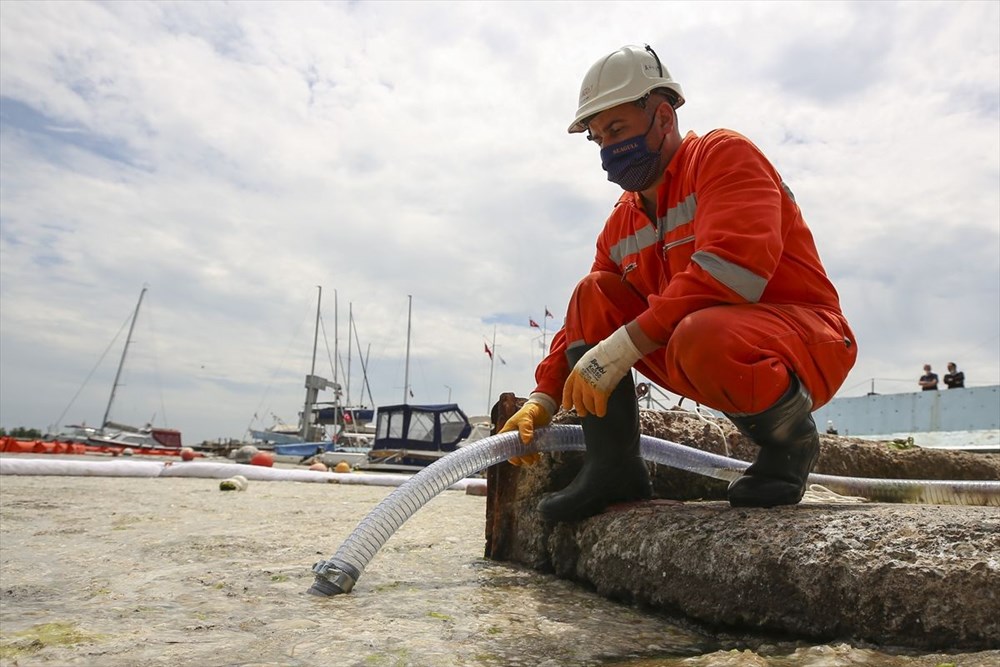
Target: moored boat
x,y
408,437
324,427
112,437
326,452
147,437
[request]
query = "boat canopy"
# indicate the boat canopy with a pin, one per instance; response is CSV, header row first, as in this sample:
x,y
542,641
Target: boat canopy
x,y
425,427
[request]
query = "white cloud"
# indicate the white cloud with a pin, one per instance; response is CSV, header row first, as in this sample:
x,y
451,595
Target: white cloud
x,y
234,156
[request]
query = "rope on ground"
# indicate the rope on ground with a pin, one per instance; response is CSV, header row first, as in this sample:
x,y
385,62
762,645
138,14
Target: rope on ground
x,y
697,413
817,493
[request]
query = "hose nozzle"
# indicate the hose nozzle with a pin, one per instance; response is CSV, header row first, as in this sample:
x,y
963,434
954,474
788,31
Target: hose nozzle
x,y
333,578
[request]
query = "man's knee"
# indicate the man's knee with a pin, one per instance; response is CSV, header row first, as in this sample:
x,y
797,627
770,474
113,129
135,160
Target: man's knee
x,y
708,351
703,332
600,285
601,303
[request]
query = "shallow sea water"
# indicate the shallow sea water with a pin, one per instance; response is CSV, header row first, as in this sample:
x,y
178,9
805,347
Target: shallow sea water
x,y
125,571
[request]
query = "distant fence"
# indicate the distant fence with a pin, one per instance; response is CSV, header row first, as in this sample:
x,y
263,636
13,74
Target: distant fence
x,y
970,409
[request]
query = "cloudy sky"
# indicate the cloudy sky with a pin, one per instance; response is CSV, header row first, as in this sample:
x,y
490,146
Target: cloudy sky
x,y
234,156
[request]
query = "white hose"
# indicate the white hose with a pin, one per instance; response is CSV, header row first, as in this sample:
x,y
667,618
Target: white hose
x,y
16,465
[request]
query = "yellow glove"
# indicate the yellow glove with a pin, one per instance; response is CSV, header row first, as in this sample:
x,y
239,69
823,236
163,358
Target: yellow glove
x,y
535,413
598,372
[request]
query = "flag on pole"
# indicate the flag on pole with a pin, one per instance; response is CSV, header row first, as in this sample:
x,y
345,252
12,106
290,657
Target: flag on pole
x,y
487,349
533,323
547,313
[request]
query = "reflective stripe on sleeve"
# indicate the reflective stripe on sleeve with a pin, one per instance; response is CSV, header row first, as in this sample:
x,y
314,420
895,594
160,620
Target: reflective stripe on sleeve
x,y
742,281
788,191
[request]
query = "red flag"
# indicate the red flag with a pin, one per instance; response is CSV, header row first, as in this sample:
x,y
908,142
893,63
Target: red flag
x,y
547,313
533,323
487,349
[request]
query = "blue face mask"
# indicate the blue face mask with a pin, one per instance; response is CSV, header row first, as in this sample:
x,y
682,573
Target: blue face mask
x,y
631,164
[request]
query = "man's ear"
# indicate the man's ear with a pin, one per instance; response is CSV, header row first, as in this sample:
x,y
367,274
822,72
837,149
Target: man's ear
x,y
666,116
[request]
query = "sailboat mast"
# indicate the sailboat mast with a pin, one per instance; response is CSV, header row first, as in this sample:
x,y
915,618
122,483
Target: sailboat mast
x,y
336,361
307,410
121,363
406,375
350,339
489,392
319,302
336,342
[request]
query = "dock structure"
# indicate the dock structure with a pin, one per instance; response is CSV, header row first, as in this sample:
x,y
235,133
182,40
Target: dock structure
x,y
966,418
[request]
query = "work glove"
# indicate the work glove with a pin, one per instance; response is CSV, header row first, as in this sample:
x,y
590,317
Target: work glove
x,y
598,372
536,412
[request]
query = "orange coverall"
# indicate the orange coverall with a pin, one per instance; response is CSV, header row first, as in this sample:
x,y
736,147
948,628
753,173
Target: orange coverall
x,y
727,279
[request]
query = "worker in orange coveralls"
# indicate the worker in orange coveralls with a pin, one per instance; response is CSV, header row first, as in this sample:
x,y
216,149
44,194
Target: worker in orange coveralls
x,y
706,280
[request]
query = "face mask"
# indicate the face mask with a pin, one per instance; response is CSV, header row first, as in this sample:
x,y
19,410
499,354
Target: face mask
x,y
631,164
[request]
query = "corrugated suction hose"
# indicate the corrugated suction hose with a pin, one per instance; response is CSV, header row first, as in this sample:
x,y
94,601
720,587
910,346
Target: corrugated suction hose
x,y
339,574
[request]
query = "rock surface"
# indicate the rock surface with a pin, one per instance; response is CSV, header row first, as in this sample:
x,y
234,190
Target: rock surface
x,y
924,576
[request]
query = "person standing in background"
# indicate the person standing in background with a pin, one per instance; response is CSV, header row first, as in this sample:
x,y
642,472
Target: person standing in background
x,y
954,378
929,380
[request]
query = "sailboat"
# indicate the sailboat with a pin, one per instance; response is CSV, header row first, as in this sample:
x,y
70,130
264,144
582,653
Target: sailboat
x,y
115,436
310,438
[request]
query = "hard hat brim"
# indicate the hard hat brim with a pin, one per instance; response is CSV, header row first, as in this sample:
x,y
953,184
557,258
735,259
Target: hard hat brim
x,y
585,113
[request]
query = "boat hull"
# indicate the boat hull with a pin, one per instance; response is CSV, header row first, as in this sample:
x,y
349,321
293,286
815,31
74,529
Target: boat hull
x,y
330,453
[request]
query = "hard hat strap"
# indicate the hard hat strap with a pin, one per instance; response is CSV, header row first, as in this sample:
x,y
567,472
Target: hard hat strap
x,y
655,57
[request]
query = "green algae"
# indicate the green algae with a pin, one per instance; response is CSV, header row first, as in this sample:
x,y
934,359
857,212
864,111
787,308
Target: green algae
x,y
38,637
902,443
439,615
394,658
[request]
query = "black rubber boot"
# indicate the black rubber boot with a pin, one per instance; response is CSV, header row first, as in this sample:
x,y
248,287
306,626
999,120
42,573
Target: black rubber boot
x,y
789,447
613,471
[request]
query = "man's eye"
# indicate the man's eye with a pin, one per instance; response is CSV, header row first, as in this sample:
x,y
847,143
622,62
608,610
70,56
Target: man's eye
x,y
611,133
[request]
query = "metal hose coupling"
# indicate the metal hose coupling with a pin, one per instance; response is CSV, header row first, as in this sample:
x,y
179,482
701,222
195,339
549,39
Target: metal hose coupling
x,y
333,577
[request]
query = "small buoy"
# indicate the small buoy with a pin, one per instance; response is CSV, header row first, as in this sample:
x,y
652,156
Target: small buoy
x,y
343,466
319,467
475,490
265,459
244,453
187,454
236,483
127,451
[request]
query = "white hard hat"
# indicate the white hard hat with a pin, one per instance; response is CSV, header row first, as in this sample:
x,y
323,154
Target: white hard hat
x,y
623,76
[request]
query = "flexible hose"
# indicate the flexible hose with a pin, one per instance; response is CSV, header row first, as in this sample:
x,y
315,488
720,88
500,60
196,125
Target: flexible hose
x,y
339,574
916,491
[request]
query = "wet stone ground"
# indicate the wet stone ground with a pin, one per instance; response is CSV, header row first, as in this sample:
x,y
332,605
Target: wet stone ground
x,y
121,571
